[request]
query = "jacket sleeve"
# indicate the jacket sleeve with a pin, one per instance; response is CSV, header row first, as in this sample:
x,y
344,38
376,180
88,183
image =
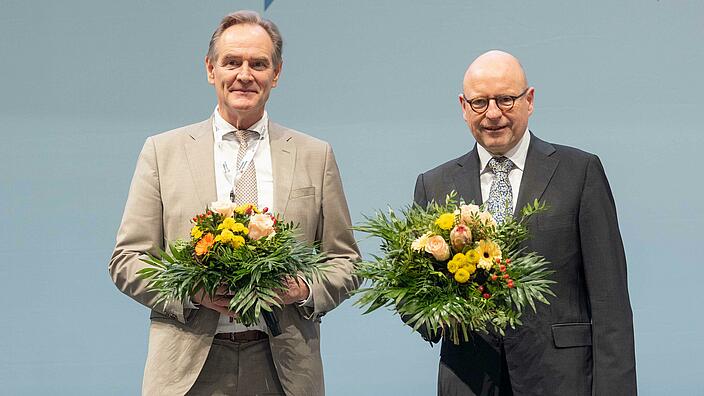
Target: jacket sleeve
x,y
141,232
605,273
334,234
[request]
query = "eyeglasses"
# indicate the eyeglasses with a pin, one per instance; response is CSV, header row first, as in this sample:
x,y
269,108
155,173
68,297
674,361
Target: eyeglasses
x,y
504,102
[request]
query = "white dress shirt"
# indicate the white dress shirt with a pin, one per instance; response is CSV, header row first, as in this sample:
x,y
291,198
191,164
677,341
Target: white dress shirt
x,y
225,156
517,155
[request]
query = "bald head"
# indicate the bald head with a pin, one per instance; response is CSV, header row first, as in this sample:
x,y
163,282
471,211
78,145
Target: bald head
x,y
496,85
495,65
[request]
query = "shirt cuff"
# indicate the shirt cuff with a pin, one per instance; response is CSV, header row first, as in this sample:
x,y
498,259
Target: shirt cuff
x,y
308,302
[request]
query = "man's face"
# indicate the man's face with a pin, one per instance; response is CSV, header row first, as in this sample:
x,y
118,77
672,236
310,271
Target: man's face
x,y
243,73
495,129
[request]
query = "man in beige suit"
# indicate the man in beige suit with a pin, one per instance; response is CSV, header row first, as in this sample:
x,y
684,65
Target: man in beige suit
x,y
194,346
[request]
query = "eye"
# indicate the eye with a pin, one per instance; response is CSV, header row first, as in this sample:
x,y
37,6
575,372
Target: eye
x,y
504,101
232,63
260,65
479,103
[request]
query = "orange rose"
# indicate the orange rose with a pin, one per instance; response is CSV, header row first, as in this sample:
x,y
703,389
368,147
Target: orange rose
x,y
205,243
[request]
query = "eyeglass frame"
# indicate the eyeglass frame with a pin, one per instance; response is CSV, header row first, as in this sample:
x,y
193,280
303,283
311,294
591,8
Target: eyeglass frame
x,y
489,99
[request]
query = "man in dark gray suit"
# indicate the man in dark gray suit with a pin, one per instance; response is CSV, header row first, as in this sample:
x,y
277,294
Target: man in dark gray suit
x,y
582,343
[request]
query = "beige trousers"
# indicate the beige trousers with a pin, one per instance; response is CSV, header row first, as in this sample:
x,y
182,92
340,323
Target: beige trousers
x,y
238,369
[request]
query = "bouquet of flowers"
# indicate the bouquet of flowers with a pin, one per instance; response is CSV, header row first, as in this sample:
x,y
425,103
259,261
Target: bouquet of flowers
x,y
248,250
451,269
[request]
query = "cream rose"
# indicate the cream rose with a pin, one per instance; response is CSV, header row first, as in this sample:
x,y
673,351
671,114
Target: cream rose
x,y
225,208
260,225
487,218
438,248
468,212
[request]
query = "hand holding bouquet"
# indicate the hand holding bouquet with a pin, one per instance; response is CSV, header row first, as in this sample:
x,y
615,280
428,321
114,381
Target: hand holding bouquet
x,y
241,249
450,268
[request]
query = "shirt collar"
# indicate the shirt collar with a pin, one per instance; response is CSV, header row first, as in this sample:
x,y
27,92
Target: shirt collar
x,y
517,154
222,127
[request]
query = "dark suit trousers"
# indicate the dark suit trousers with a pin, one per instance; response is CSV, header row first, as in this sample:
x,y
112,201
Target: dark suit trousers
x,y
475,368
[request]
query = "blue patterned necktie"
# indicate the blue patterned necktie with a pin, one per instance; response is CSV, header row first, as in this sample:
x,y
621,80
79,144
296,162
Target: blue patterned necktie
x,y
500,202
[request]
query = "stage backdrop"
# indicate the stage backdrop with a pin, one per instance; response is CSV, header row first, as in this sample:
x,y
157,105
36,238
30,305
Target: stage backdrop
x,y
85,82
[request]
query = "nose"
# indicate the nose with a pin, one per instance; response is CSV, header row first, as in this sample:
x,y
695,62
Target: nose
x,y
245,73
493,112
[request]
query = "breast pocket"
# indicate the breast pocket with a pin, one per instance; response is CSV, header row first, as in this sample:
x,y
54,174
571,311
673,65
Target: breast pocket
x,y
568,335
302,192
545,222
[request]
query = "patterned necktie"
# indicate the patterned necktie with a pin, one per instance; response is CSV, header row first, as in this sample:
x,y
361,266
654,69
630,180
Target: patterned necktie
x,y
246,188
500,202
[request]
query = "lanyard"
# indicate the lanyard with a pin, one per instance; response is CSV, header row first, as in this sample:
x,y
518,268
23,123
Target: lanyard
x,y
234,174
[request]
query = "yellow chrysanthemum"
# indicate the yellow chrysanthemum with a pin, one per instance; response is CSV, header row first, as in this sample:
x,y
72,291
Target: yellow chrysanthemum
x,y
452,266
488,251
239,227
472,256
445,221
196,232
471,268
227,224
225,236
459,257
237,241
462,275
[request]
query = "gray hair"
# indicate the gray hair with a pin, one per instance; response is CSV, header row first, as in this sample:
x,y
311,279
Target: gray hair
x,y
251,18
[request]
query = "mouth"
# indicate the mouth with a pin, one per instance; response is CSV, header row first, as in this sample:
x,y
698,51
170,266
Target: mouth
x,y
243,91
494,128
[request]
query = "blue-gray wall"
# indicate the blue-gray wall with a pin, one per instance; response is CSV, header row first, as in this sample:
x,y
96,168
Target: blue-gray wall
x,y
82,83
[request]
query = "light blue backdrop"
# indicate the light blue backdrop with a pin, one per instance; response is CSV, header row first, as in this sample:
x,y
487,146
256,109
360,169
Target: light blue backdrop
x,y
84,82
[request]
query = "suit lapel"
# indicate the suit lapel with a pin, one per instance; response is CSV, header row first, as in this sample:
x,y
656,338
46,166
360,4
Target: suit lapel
x,y
539,168
199,152
283,161
465,177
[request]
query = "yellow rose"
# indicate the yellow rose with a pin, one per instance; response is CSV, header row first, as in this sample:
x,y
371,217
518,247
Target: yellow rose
x,y
196,232
445,221
462,275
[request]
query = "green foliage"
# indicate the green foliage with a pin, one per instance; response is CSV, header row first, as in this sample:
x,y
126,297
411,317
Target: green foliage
x,y
423,291
253,272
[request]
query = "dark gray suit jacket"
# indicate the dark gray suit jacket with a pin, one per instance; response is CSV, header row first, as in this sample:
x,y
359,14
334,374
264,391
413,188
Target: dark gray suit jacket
x,y
582,343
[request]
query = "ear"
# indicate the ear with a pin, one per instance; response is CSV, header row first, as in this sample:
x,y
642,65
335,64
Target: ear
x,y
277,74
209,71
463,105
530,97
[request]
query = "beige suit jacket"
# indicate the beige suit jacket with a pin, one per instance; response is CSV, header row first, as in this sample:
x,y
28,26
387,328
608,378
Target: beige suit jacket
x,y
174,180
